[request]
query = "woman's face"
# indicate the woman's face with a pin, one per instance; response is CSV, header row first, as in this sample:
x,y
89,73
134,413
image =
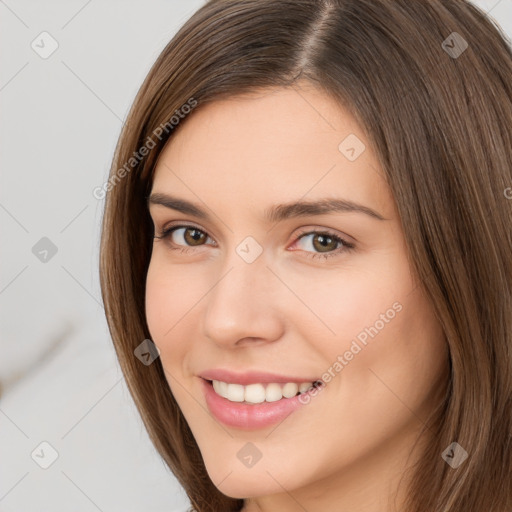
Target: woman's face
x,y
256,295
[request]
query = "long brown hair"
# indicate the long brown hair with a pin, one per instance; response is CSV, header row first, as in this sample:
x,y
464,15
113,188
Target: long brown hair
x,y
430,82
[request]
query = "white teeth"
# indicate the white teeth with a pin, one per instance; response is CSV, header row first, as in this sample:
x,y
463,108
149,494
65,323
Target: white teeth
x,y
258,393
290,389
273,393
223,387
235,392
255,393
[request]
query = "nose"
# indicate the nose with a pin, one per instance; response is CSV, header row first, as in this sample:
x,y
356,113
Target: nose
x,y
245,305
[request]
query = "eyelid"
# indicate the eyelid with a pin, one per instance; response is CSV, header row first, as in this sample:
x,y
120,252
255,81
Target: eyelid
x,y
302,230
346,245
327,231
166,228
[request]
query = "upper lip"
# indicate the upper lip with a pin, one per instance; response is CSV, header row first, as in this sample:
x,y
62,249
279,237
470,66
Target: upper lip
x,y
250,377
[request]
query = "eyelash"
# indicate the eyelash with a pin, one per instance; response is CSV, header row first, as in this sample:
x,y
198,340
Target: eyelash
x,y
346,246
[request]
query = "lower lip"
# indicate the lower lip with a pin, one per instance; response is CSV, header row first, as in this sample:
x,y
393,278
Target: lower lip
x,y
247,416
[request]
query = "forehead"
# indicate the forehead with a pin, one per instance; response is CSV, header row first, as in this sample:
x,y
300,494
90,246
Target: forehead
x,y
271,146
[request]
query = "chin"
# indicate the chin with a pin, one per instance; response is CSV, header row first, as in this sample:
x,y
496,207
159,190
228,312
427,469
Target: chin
x,y
246,486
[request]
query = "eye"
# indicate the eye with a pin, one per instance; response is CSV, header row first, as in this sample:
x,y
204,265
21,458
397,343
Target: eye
x,y
190,235
327,243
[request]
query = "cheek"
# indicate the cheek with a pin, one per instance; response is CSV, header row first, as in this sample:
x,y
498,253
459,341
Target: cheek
x,y
170,295
348,307
158,300
385,348
393,373
169,299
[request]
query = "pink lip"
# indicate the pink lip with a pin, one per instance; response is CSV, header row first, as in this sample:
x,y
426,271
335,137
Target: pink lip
x,y
248,416
253,377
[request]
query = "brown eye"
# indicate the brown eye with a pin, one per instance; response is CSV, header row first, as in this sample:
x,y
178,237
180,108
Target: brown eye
x,y
321,244
194,236
184,236
324,243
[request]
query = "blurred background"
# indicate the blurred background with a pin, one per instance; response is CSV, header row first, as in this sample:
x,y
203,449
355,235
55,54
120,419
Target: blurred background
x,y
70,436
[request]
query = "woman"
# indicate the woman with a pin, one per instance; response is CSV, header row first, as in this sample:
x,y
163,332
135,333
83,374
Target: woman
x,y
305,256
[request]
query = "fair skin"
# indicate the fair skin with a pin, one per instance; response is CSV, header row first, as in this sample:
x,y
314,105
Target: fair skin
x,y
287,312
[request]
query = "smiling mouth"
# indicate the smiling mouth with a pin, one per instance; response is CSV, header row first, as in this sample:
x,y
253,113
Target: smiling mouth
x,y
253,394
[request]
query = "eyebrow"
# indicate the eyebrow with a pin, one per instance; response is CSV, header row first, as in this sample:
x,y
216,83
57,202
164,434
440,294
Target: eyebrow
x,y
276,213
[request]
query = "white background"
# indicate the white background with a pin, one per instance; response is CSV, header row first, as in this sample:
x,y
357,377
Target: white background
x,y
60,120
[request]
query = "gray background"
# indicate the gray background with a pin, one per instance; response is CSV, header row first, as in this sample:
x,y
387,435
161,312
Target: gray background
x,y
60,120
